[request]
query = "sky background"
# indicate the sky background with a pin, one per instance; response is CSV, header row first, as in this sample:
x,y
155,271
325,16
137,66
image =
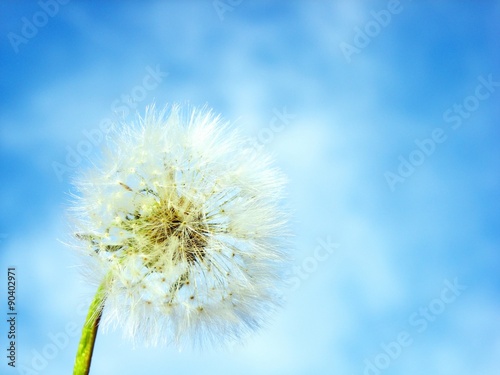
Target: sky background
x,y
342,93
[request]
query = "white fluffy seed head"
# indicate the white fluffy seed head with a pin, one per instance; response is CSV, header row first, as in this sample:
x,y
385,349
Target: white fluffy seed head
x,y
185,221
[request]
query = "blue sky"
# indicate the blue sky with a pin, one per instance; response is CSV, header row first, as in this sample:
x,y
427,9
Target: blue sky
x,y
391,151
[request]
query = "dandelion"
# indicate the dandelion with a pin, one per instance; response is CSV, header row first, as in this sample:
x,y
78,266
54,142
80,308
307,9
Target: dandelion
x,y
182,229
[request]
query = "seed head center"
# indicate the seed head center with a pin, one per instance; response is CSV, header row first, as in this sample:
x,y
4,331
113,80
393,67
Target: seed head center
x,y
179,224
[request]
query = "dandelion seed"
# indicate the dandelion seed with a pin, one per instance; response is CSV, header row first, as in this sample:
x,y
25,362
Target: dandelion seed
x,y
183,222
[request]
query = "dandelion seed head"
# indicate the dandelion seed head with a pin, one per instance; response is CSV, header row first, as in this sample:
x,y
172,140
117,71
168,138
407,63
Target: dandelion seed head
x,y
186,223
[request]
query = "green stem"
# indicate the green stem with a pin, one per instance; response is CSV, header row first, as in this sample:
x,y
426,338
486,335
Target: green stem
x,y
89,332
